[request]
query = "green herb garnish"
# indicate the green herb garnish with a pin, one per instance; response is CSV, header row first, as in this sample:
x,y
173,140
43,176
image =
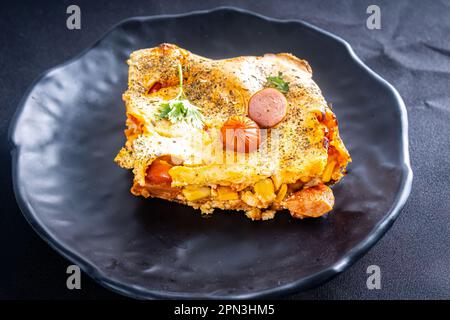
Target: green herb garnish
x,y
180,109
278,83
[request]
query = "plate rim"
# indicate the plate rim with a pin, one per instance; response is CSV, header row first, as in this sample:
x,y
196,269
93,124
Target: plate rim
x,y
301,284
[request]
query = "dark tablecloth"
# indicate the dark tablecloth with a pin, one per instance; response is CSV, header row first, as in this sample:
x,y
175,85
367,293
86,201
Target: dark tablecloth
x,y
411,51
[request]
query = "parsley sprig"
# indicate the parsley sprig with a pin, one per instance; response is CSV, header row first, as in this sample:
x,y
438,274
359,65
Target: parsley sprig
x,y
180,109
278,83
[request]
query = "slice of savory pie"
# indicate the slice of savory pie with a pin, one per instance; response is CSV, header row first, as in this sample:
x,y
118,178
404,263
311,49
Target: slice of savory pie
x,y
247,133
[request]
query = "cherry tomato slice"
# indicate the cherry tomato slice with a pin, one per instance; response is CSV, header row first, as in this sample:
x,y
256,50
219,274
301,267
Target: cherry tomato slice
x,y
241,134
158,172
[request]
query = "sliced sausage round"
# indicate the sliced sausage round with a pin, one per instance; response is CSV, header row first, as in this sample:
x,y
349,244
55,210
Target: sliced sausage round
x,y
267,107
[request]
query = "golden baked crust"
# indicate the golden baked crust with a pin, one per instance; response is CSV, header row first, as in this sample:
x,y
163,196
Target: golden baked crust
x,y
301,151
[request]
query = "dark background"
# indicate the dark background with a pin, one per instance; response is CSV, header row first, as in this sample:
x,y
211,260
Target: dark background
x,y
411,51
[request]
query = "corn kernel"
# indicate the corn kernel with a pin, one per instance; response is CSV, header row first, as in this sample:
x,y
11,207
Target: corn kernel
x,y
249,198
194,193
226,193
265,191
328,171
282,193
276,181
305,179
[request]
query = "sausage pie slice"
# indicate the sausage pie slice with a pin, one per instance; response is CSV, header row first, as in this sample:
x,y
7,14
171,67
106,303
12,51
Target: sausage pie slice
x,y
252,134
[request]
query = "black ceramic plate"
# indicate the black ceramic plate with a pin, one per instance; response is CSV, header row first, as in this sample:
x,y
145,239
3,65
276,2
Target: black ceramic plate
x,y
70,124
